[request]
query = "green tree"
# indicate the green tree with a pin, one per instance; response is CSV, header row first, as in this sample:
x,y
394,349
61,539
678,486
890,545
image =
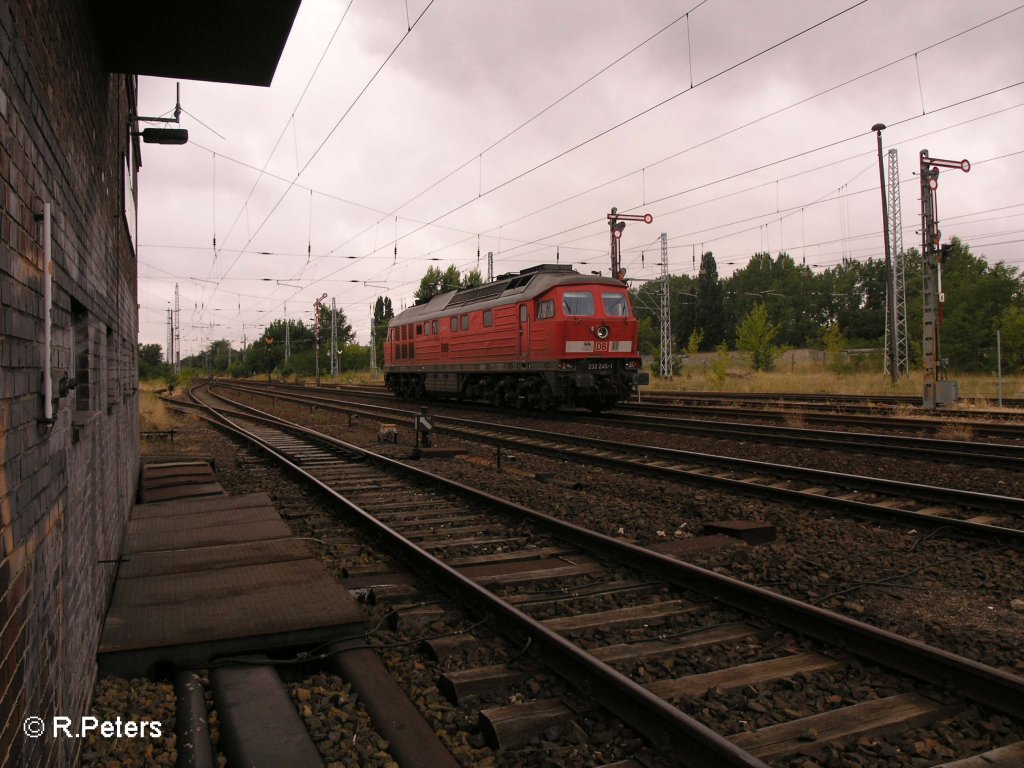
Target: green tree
x,y
720,363
382,314
978,296
436,282
646,302
649,338
151,361
472,279
1011,329
354,357
708,307
789,290
343,329
266,353
755,336
835,348
693,344
430,285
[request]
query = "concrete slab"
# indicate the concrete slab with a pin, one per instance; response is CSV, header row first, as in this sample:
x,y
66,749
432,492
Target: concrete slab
x,y
750,531
217,576
176,478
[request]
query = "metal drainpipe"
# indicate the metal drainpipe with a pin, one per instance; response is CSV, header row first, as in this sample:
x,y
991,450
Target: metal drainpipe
x,y
47,309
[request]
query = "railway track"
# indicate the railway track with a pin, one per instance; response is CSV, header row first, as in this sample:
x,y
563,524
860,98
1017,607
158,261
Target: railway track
x,y
1004,456
876,401
876,404
711,670
979,515
927,425
923,429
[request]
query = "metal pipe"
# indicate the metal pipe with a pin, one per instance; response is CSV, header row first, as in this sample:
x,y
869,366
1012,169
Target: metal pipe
x,y
999,365
47,313
890,285
195,750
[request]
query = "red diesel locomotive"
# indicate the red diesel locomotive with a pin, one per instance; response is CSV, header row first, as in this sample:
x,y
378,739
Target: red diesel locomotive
x,y
545,337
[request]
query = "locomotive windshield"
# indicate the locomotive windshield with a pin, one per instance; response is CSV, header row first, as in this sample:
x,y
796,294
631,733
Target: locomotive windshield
x,y
578,303
615,304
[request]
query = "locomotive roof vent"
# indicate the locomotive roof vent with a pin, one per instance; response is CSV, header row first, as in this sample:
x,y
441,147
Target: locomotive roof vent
x,y
547,268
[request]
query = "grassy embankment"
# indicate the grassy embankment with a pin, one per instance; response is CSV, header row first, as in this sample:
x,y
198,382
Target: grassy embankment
x,y
153,414
815,379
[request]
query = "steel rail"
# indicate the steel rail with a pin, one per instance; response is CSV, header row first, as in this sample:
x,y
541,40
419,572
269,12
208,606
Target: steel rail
x,y
864,403
1014,430
928,448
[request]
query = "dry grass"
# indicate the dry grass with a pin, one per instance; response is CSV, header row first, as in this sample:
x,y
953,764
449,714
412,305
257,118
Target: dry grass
x,y
360,378
955,430
795,420
153,414
803,377
813,378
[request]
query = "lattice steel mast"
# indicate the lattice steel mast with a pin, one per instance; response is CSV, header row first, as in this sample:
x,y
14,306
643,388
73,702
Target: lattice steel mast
x,y
334,338
896,286
170,337
665,317
177,331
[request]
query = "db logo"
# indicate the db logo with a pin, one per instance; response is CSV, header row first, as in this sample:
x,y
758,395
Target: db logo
x,y
600,346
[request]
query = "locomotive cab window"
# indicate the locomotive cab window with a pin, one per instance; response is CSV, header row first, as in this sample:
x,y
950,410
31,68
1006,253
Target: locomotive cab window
x,y
454,323
615,304
434,327
419,329
426,329
464,322
545,309
488,318
578,303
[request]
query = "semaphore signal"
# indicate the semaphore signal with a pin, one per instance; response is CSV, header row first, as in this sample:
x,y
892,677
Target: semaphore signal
x,y
617,223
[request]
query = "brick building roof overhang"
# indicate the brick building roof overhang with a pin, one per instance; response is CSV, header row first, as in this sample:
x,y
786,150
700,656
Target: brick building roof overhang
x,y
225,41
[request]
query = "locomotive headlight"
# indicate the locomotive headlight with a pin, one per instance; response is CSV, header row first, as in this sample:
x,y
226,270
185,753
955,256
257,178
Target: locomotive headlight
x,y
602,332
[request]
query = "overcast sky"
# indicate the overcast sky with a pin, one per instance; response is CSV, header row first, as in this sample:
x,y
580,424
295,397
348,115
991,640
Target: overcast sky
x,y
514,127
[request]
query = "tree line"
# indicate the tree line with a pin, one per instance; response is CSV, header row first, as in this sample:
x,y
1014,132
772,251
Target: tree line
x,y
842,306
770,304
267,353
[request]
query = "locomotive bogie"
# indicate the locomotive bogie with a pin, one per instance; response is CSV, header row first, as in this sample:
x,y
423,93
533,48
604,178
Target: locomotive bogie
x,y
544,338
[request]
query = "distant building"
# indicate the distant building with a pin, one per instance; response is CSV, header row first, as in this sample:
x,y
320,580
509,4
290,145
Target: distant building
x,y
68,474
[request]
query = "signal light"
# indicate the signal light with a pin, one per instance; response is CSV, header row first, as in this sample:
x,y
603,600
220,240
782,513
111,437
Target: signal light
x,y
617,228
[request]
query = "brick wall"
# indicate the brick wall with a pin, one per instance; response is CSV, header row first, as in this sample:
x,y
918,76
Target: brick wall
x,y
65,490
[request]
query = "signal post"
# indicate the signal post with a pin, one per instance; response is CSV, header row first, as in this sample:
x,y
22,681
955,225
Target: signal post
x,y
937,391
617,223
